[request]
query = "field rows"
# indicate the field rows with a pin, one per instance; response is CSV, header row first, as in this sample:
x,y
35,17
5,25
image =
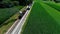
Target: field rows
x,y
43,19
54,5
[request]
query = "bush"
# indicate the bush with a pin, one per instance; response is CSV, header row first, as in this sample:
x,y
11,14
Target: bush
x,y
25,2
6,4
2,5
1,0
16,3
57,1
6,13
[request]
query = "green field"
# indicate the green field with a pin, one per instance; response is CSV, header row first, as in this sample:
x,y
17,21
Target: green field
x,y
54,5
6,13
7,24
7,17
43,19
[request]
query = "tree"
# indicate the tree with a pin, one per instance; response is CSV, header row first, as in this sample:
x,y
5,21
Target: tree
x,y
25,2
57,1
29,2
14,0
1,0
22,2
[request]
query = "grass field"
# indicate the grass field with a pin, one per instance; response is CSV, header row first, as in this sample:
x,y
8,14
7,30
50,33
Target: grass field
x,y
54,5
7,17
6,13
6,25
43,19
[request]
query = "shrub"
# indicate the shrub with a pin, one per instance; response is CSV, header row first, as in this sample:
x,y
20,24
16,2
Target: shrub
x,y
25,2
1,0
57,1
6,13
6,4
2,5
16,3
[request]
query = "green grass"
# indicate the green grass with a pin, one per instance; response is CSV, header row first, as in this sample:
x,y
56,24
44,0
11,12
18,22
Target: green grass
x,y
7,17
53,12
54,5
4,27
6,13
42,20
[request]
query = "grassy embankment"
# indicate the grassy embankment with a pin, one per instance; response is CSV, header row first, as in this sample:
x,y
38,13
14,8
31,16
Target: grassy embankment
x,y
43,19
8,17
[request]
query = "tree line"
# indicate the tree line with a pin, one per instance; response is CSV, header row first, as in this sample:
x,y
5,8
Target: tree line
x,y
11,3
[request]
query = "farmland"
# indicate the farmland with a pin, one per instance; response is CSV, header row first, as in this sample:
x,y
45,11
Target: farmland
x,y
6,13
7,17
43,19
54,5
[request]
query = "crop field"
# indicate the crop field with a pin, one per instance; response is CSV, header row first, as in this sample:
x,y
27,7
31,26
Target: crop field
x,y
8,12
54,5
43,19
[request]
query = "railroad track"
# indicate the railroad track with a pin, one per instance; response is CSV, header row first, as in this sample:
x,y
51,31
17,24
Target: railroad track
x,y
17,26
